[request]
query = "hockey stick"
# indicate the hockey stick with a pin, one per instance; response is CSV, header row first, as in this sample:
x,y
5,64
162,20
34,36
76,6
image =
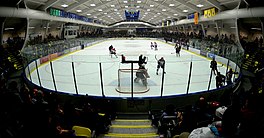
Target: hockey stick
x,y
146,60
156,57
221,65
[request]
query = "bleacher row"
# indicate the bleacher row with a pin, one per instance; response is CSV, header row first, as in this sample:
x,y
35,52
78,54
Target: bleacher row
x,y
31,113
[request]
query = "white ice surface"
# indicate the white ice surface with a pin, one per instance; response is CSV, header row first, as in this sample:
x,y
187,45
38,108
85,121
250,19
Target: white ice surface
x,y
86,63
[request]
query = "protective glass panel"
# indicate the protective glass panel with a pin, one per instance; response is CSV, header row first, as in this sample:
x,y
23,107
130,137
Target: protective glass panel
x,y
34,75
87,77
63,74
111,78
177,70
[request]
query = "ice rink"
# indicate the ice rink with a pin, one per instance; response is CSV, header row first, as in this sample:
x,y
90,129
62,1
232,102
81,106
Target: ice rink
x,y
87,70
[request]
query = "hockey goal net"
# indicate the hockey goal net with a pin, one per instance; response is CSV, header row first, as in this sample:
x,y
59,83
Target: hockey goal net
x,y
140,81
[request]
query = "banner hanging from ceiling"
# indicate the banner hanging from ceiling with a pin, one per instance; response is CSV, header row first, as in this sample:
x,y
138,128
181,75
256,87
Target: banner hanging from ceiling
x,y
132,15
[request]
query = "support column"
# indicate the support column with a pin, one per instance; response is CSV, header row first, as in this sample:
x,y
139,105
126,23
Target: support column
x,y
203,30
262,26
26,34
80,29
46,30
192,28
184,30
61,33
2,26
237,32
217,28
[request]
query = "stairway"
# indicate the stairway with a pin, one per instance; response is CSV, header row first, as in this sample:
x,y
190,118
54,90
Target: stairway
x,y
248,62
131,125
15,61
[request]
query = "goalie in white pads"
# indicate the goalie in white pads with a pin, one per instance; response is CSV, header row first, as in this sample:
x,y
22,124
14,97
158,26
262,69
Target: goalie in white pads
x,y
142,74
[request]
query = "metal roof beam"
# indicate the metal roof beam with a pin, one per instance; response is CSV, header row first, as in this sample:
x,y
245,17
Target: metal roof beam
x,y
96,7
176,10
75,5
189,5
216,4
49,4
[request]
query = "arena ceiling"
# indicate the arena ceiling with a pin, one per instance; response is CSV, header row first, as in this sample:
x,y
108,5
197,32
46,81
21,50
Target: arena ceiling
x,y
112,11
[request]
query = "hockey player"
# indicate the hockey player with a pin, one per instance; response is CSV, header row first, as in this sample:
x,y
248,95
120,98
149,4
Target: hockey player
x,y
213,66
178,49
110,48
151,45
161,64
155,46
113,52
229,76
220,80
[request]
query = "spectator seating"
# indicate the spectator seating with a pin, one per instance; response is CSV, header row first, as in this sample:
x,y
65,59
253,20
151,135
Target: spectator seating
x,y
83,132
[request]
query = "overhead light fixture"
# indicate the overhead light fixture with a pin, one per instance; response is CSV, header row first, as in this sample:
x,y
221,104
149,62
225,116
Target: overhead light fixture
x,y
158,13
78,10
95,17
168,17
139,1
155,15
185,11
100,10
105,13
92,5
171,5
126,6
88,14
112,5
175,14
146,13
138,6
148,9
117,13
64,5
200,5
125,1
163,9
115,10
109,16
151,5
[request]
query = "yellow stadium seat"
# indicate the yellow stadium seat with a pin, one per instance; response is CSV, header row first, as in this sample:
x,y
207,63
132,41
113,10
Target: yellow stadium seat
x,y
82,131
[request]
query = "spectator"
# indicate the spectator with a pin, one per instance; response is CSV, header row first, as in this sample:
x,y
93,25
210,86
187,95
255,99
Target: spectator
x,y
231,118
229,75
